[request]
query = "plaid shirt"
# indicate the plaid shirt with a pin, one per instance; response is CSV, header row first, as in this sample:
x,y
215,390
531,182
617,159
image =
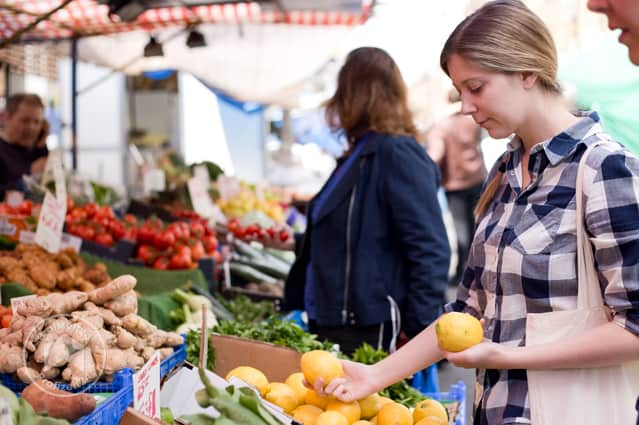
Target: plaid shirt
x,y
523,256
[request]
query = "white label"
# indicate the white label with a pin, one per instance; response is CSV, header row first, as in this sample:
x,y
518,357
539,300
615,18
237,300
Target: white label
x,y
154,180
6,416
228,187
49,231
60,183
70,241
200,198
202,173
26,237
146,388
18,301
14,198
7,228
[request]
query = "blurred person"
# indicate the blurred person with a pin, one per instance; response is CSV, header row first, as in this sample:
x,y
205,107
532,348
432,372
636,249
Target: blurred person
x,y
23,148
374,258
454,144
622,15
525,260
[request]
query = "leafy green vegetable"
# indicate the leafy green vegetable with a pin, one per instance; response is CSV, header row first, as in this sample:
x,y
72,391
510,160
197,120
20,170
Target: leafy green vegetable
x,y
246,310
193,350
400,392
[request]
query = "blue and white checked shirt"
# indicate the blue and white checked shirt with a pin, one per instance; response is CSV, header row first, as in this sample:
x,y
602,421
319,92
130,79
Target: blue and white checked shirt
x,y
523,256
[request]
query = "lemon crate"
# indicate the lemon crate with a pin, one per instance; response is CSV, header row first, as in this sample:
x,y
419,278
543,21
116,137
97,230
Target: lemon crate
x,y
454,400
120,380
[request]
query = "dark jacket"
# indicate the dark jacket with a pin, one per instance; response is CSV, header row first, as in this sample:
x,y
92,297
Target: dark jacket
x,y
397,243
15,161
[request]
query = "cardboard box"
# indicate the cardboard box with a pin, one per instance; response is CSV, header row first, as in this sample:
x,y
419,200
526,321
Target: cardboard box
x,y
133,417
276,362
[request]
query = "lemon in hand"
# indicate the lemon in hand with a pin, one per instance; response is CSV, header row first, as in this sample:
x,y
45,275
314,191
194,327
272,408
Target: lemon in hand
x,y
458,331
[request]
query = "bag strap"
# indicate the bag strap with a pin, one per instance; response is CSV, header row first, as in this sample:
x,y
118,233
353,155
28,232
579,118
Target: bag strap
x,y
589,290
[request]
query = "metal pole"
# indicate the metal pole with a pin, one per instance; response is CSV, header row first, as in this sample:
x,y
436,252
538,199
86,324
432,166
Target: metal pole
x,y
74,102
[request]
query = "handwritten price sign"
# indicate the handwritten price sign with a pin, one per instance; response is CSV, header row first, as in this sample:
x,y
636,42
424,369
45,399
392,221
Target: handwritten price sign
x,y
146,388
50,223
200,198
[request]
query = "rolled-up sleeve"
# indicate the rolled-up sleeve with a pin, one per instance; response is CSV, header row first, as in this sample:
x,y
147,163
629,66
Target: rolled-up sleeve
x,y
611,186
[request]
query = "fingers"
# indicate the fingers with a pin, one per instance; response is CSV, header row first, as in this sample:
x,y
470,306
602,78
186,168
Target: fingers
x,y
332,387
318,386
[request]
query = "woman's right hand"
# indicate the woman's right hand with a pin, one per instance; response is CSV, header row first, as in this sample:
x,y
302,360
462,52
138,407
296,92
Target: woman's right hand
x,y
357,384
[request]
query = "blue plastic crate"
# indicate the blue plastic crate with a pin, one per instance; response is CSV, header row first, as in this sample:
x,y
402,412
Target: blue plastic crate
x,y
426,380
121,378
109,412
456,393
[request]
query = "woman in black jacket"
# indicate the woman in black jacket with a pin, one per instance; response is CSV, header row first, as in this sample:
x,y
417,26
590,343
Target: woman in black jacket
x,y
374,258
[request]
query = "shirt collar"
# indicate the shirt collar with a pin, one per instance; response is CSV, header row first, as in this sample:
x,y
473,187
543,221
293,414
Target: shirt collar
x,y
564,144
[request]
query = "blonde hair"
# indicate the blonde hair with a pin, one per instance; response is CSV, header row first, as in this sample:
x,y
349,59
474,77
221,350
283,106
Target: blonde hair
x,y
504,36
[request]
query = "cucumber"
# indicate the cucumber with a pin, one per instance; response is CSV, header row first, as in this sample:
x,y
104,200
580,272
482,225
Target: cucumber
x,y
287,257
266,267
250,274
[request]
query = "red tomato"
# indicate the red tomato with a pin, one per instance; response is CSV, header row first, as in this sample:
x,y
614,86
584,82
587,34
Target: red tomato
x,y
161,263
146,253
163,240
233,224
210,243
180,261
86,232
91,209
70,203
79,214
271,232
130,219
130,234
117,230
25,207
252,230
104,239
284,235
217,257
146,234
197,229
197,251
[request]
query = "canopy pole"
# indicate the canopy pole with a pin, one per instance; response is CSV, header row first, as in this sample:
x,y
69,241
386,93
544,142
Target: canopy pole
x,y
74,102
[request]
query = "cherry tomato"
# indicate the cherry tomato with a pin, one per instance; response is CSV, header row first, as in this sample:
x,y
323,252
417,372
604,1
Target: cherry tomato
x,y
104,239
284,235
161,263
164,240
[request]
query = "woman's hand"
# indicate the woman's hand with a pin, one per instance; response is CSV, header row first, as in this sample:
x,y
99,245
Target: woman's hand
x,y
357,384
486,355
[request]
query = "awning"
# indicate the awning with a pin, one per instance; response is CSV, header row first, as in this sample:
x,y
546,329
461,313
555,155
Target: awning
x,y
88,17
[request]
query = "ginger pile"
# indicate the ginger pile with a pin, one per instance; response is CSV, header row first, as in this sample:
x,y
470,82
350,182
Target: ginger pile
x,y
43,273
79,337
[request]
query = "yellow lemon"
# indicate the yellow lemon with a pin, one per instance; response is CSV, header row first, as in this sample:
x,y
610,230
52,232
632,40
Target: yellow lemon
x,y
384,400
374,420
432,420
306,414
394,414
316,400
458,331
295,381
370,405
250,375
351,411
282,395
429,408
362,422
331,418
318,363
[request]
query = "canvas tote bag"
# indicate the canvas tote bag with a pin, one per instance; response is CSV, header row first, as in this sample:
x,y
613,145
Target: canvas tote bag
x,y
597,396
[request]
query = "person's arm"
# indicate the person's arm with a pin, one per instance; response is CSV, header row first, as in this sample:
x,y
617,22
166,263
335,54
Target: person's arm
x,y
410,182
611,221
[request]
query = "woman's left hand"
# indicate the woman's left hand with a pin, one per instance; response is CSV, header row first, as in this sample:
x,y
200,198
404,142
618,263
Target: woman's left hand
x,y
485,355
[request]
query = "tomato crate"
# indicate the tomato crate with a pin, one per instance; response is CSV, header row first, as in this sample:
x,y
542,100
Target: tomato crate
x,y
110,411
455,402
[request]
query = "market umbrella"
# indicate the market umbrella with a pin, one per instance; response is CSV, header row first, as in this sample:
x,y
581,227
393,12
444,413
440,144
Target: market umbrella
x,y
606,81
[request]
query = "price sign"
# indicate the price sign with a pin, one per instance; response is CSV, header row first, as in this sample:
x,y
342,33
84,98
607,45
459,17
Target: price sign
x,y
6,416
154,180
14,198
200,198
202,173
146,388
50,223
70,241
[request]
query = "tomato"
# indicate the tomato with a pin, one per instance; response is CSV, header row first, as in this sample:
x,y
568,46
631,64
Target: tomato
x,y
210,243
233,224
180,261
25,207
197,229
271,232
197,250
117,230
217,257
130,219
6,321
79,214
104,239
161,263
91,209
130,234
146,253
163,240
252,230
70,203
284,235
85,232
146,234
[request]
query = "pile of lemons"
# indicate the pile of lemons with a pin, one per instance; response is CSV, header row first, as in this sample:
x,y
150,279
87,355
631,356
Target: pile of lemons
x,y
309,408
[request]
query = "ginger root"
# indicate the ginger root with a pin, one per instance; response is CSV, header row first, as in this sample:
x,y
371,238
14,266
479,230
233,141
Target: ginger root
x,y
81,369
66,303
124,304
113,289
137,325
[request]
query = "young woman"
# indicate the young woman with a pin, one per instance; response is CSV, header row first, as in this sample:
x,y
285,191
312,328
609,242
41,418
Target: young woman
x,y
374,258
503,61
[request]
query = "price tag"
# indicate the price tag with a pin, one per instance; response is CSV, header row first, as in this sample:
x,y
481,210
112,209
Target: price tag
x,y
50,223
7,228
202,173
70,241
6,416
200,198
26,237
18,301
228,187
14,198
154,180
60,183
146,388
